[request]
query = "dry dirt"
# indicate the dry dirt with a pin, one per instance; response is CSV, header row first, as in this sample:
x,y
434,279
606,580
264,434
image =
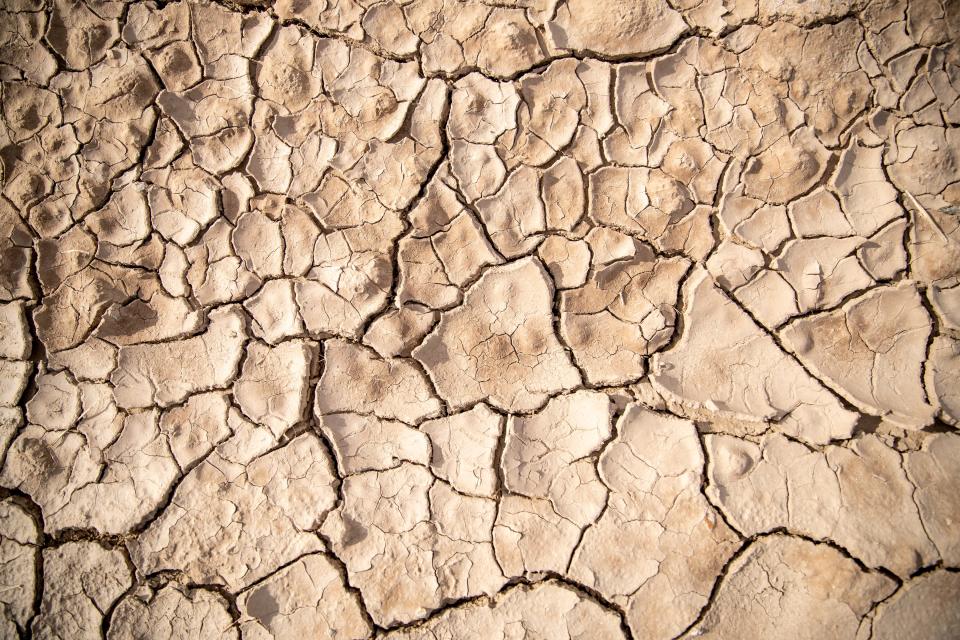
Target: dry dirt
x,y
480,319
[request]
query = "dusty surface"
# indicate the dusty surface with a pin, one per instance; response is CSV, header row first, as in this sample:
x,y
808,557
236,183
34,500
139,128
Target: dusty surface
x,y
453,319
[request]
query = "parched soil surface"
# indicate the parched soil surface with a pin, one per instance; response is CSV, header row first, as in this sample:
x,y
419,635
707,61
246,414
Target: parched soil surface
x,y
480,319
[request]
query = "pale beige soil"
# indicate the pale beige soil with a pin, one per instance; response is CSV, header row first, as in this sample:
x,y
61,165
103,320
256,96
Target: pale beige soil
x,y
475,319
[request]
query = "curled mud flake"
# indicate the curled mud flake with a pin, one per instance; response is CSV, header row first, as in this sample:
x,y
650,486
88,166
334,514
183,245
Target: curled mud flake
x,y
787,169
18,576
548,609
81,582
725,365
305,598
873,350
653,469
273,385
365,443
794,586
613,29
411,542
932,471
81,34
826,495
500,344
922,608
464,449
172,612
165,374
623,313
355,379
214,528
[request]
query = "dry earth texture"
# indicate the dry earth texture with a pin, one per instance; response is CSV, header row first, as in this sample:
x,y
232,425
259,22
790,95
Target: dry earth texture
x,y
480,319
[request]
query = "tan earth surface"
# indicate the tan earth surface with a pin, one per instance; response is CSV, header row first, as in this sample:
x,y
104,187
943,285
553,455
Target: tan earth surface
x,y
480,319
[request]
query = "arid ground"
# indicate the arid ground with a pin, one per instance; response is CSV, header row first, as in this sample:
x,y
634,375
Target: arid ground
x,y
480,319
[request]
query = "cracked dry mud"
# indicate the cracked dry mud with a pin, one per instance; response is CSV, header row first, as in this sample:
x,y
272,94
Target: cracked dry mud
x,y
475,319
